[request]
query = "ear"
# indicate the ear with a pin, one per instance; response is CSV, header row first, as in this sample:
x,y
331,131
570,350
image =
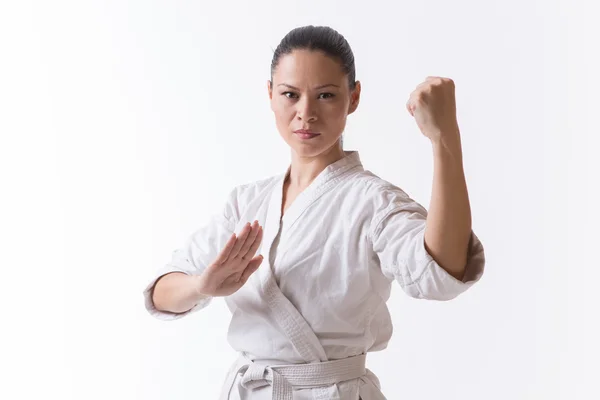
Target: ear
x,y
354,98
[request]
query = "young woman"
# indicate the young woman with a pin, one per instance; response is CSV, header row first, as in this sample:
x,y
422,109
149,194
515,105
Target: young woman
x,y
336,237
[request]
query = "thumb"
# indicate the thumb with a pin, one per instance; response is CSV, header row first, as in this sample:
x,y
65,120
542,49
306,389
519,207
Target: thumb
x,y
255,262
252,267
410,108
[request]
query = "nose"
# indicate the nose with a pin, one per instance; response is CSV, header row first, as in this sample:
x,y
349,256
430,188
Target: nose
x,y
306,110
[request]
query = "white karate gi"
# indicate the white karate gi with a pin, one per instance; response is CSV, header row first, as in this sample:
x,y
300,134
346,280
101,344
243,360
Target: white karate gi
x,y
321,292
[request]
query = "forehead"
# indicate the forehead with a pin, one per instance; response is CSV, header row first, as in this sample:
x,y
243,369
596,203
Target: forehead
x,y
306,67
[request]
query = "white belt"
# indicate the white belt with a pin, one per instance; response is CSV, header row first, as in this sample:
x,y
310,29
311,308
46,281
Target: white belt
x,y
284,377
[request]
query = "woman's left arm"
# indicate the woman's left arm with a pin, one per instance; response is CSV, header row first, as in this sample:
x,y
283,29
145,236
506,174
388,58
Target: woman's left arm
x,y
448,225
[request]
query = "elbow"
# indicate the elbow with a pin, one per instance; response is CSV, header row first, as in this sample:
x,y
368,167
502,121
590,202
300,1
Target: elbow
x,y
163,296
159,298
453,262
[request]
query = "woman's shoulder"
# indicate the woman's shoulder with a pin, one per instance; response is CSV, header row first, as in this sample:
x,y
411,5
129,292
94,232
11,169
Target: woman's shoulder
x,y
381,199
255,187
373,186
246,192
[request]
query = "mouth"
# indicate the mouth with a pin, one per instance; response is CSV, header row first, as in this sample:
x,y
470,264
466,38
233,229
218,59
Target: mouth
x,y
306,134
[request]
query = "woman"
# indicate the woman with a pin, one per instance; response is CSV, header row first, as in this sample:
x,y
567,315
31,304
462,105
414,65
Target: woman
x,y
336,237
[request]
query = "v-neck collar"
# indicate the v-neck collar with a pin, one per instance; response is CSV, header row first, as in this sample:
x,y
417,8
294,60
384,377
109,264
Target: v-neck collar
x,y
322,182
274,223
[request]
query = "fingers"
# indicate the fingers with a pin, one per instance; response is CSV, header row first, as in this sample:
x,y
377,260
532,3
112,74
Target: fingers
x,y
247,241
245,245
240,240
252,243
224,254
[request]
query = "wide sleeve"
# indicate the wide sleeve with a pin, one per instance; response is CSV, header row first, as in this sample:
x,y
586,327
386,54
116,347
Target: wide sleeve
x,y
398,239
199,250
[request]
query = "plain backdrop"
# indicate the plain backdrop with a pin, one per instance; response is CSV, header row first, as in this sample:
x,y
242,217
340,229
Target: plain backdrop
x,y
124,124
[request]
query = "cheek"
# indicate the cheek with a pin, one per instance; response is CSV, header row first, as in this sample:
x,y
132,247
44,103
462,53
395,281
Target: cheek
x,y
335,112
282,111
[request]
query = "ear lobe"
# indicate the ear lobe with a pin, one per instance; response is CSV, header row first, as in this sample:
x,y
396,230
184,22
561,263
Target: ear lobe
x,y
353,107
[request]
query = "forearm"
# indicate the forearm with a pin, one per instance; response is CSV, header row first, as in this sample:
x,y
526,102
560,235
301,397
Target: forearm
x,y
448,227
176,292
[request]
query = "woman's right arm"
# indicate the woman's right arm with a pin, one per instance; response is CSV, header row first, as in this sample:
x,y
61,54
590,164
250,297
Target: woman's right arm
x,y
176,292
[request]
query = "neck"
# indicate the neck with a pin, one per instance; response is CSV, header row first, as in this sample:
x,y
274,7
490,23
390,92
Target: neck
x,y
305,169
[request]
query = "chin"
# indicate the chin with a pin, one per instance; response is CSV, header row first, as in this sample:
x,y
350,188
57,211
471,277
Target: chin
x,y
310,148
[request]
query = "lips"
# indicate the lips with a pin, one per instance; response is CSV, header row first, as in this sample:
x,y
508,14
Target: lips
x,y
306,132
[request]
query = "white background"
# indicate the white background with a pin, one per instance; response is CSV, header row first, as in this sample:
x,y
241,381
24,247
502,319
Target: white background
x,y
124,124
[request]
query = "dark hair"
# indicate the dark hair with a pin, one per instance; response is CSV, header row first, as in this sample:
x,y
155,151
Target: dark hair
x,y
321,38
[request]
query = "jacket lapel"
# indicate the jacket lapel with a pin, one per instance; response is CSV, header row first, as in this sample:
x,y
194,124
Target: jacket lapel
x,y
285,313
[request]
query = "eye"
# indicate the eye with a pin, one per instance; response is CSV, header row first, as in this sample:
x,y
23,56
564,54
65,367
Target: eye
x,y
328,95
289,97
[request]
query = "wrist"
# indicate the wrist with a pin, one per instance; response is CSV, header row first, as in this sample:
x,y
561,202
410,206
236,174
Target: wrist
x,y
198,288
448,145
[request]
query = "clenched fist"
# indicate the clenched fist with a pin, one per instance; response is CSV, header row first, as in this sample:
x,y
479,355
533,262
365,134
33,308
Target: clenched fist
x,y
433,105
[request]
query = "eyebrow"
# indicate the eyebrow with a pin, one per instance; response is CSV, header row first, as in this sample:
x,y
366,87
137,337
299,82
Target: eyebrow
x,y
317,88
